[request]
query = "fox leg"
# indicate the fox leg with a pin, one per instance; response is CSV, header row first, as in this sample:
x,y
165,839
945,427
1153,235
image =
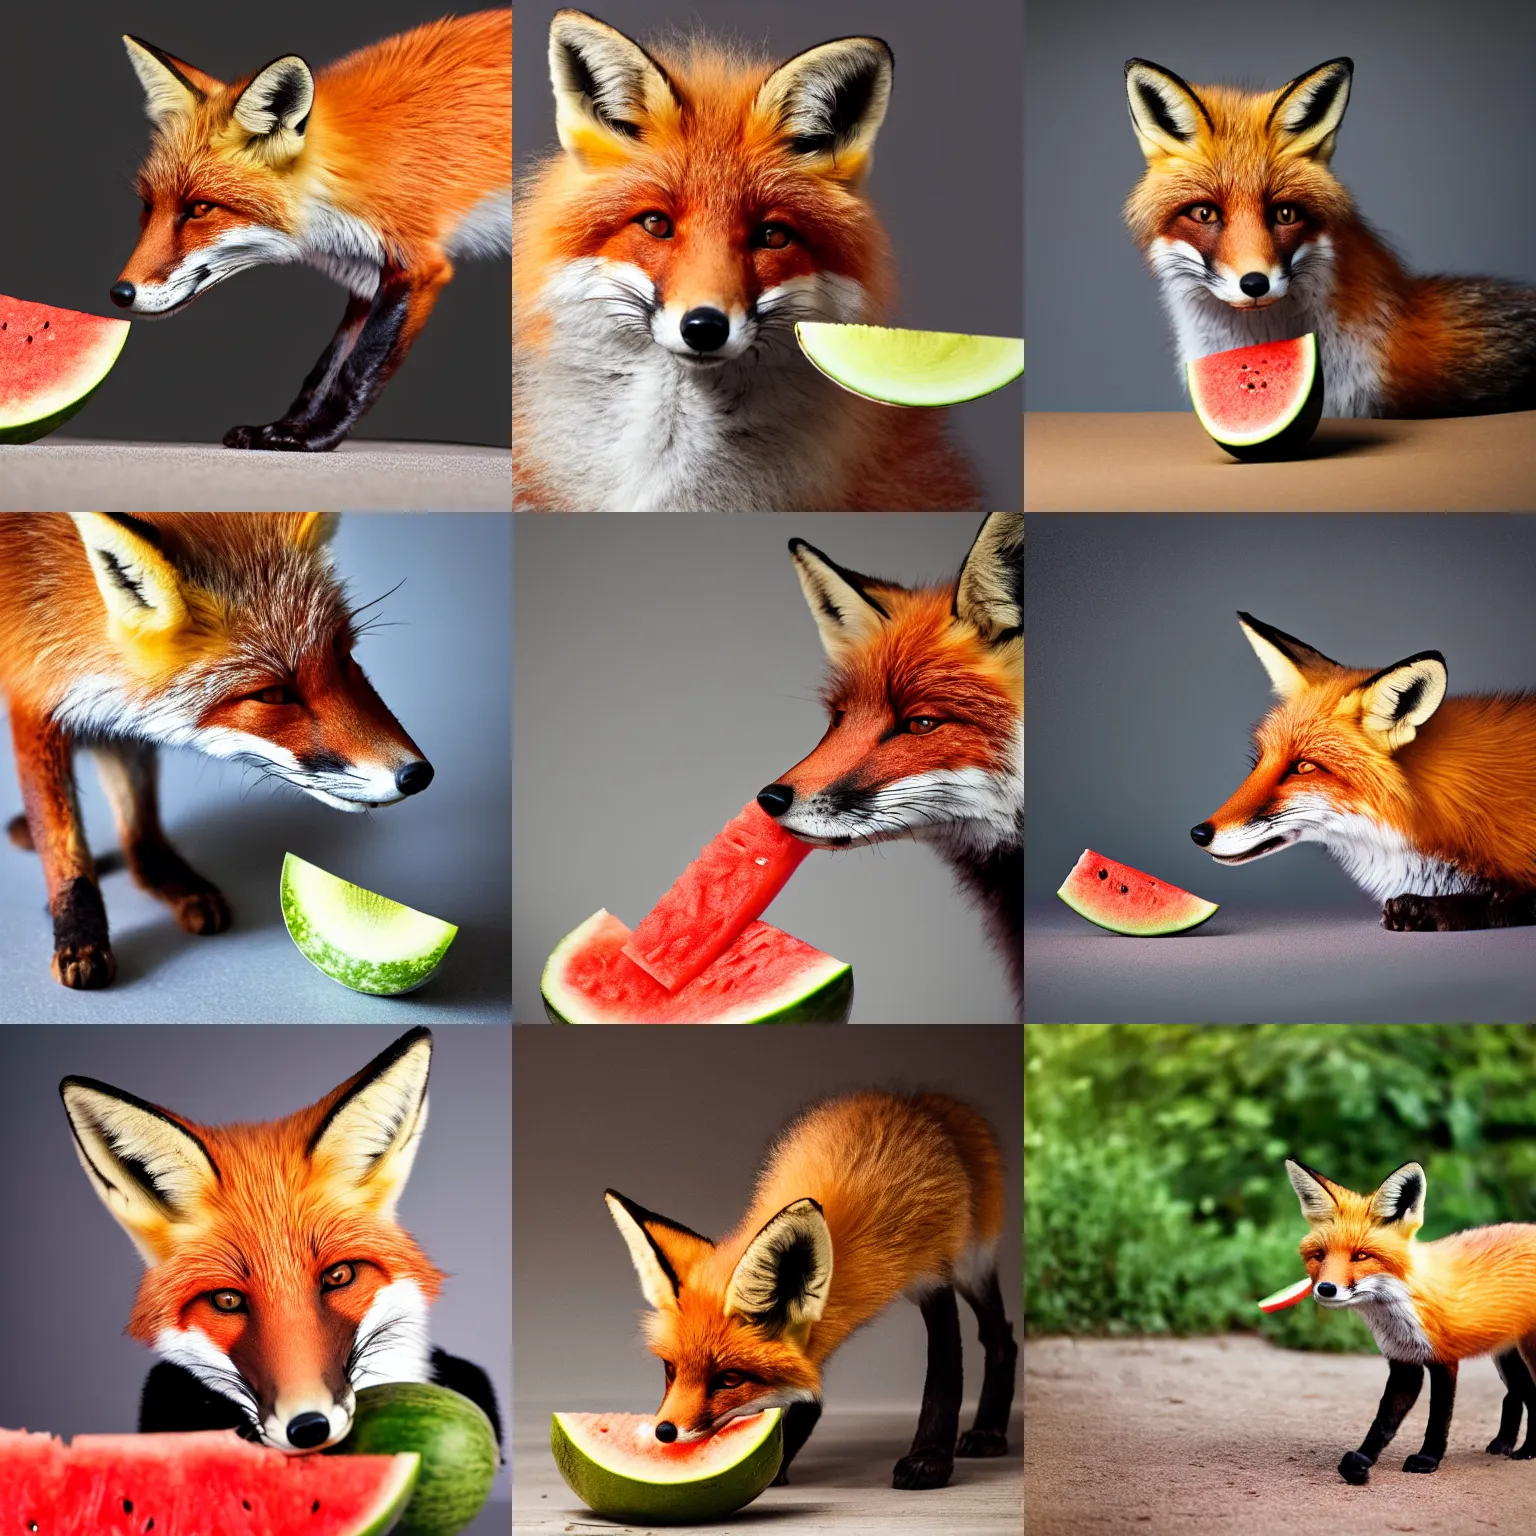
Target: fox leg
x,y
129,775
82,951
1404,1380
1442,1399
988,1436
1517,1393
1460,913
932,1458
1522,1379
370,344
799,1421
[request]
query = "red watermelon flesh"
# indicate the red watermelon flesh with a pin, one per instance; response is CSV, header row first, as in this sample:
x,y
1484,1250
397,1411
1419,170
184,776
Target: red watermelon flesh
x,y
711,903
1125,900
51,362
31,1483
1260,402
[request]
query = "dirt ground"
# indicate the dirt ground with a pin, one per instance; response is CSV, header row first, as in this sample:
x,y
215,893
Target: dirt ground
x,y
1228,1436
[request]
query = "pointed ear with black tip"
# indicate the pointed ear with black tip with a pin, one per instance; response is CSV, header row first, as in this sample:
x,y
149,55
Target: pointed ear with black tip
x,y
172,88
371,1128
844,604
274,108
149,1169
830,101
1315,1192
1399,1201
1307,113
1291,664
781,1282
663,1252
1166,113
989,595
1399,699
607,87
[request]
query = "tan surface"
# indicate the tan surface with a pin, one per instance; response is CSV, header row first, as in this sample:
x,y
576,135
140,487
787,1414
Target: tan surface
x,y
1162,461
1230,1437
63,474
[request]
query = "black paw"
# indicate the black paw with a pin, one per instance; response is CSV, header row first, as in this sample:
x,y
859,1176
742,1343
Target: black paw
x,y
923,1469
278,437
982,1442
782,1480
85,967
1527,1452
1409,914
1497,1447
1355,1468
203,912
1418,1462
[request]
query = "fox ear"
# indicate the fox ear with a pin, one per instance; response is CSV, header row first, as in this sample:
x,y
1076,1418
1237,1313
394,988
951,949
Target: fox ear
x,y
1165,111
148,1169
1315,1192
274,107
782,1279
171,88
842,602
606,87
1398,700
663,1252
143,591
371,1129
1307,113
990,593
1399,1201
1291,664
315,529
830,102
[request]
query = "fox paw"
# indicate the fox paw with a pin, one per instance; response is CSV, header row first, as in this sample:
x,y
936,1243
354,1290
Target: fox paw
x,y
1527,1452
982,1442
1409,914
1355,1468
782,1480
923,1469
84,967
1498,1447
203,912
1419,1462
277,436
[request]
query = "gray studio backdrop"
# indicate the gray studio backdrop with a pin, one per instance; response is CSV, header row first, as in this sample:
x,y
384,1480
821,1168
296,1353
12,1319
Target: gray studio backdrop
x,y
1142,690
1436,137
948,161
678,1119
669,669
240,353
442,665
69,1281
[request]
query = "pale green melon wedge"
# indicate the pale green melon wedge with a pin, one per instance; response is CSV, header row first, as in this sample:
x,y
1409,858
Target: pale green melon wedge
x,y
911,367
365,941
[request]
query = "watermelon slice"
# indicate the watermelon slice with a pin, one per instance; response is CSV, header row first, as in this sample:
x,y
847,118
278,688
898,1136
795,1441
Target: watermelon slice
x,y
51,362
1286,1298
194,1485
766,977
711,903
1260,402
911,367
1124,900
615,1465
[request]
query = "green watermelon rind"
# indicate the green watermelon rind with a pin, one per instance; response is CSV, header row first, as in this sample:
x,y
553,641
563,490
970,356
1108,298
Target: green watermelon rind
x,y
859,359
673,1501
57,404
1285,434
1196,912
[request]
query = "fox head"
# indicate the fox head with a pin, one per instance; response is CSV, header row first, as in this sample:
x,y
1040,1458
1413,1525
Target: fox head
x,y
1327,763
229,632
705,202
732,1335
220,186
926,698
1358,1248
1237,198
275,1269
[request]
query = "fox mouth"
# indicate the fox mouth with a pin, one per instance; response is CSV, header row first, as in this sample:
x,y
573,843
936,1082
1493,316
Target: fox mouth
x,y
1268,846
1265,303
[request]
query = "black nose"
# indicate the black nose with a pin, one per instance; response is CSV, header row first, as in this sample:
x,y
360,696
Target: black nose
x,y
776,799
1254,284
1326,1288
1203,833
307,1430
121,294
705,330
666,1432
413,777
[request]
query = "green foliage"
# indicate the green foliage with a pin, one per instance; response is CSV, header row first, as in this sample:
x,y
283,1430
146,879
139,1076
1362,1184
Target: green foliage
x,y
1155,1196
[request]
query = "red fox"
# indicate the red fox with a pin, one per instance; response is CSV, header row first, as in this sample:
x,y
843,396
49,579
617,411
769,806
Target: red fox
x,y
926,698
1428,1304
278,1281
227,632
1428,802
380,170
1252,238
704,202
861,1199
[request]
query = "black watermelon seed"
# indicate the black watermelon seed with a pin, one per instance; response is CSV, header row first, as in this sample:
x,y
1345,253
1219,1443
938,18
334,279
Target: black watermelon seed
x,y
127,1506
314,1508
1123,890
1103,874
245,1503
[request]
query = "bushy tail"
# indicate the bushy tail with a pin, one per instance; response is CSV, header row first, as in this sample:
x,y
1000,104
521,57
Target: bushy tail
x,y
1490,348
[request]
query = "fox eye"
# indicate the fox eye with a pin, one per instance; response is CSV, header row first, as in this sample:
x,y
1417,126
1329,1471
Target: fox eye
x,y
728,1381
199,210
278,693
920,725
671,1371
773,237
1359,1257
227,1301
1304,765
1286,213
338,1277
1204,213
837,717
657,224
